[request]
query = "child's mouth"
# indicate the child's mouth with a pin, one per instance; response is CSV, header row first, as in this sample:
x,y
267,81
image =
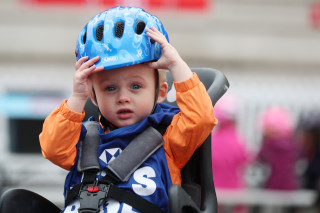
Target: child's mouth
x,y
124,113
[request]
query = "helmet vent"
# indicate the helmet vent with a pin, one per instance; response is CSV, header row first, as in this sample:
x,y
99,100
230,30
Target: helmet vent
x,y
99,32
140,25
84,38
118,29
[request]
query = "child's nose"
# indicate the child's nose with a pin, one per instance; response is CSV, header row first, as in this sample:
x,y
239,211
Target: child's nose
x,y
123,97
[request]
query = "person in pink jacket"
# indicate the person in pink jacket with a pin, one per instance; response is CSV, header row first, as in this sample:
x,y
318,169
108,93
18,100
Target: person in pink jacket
x,y
229,154
278,151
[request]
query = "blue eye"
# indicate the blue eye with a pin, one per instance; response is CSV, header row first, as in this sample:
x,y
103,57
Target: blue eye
x,y
110,89
135,86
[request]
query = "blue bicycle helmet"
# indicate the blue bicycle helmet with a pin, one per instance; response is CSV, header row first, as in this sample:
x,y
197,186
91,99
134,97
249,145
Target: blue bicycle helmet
x,y
118,36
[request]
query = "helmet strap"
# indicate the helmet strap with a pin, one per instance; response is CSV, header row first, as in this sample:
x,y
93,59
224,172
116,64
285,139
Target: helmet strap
x,y
157,90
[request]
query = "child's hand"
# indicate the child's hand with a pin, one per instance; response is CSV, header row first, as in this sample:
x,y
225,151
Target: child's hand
x,y
82,86
170,58
169,54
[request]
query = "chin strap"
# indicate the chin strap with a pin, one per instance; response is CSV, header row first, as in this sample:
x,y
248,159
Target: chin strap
x,y
157,89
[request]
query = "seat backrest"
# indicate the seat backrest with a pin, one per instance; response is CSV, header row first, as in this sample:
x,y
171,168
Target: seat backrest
x,y
21,200
215,82
197,178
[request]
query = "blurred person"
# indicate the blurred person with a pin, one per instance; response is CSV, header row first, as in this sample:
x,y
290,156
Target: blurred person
x,y
279,151
229,154
308,135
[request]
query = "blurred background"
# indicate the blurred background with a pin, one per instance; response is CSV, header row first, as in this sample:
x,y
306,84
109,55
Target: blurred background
x,y
268,49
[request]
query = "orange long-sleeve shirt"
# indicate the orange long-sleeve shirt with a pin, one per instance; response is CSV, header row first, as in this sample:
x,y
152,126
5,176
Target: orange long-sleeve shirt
x,y
187,131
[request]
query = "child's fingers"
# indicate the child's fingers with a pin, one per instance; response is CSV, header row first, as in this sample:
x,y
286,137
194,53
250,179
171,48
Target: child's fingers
x,y
86,72
80,62
156,65
156,35
84,63
153,34
152,65
90,62
93,69
153,29
98,69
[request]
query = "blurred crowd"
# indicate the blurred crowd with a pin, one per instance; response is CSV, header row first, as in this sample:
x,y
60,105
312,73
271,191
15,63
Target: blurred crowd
x,y
288,157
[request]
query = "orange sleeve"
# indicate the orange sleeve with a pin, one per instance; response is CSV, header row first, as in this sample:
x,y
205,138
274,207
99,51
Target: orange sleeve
x,y
190,127
60,134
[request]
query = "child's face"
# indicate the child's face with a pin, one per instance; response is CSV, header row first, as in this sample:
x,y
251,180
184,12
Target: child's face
x,y
126,95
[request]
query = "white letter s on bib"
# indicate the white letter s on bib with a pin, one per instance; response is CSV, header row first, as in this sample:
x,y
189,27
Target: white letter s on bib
x,y
147,186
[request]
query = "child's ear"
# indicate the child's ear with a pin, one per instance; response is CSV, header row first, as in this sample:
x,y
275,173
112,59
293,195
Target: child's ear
x,y
94,99
163,90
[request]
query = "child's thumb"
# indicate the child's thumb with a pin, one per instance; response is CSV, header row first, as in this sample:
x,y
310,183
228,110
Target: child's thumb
x,y
153,65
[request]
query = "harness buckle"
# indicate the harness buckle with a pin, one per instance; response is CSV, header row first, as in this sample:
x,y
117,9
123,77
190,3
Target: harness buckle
x,y
92,196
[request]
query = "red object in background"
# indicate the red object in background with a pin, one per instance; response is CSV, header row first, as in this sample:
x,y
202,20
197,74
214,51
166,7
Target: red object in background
x,y
108,2
59,2
178,4
193,4
315,15
146,4
156,3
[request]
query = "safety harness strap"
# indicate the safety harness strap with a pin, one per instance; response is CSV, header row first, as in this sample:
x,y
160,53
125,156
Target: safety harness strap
x,y
93,193
133,200
88,157
89,177
146,143
93,196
